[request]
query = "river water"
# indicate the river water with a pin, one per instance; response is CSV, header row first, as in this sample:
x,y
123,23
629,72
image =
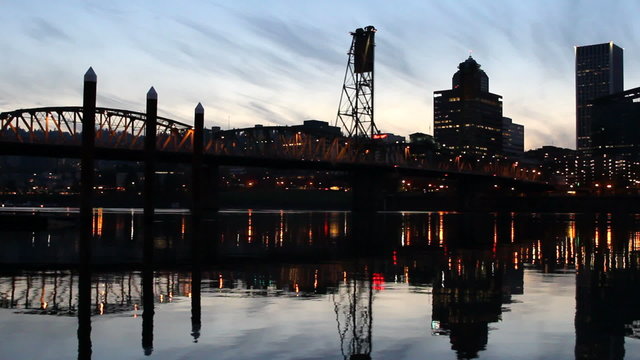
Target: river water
x,y
322,285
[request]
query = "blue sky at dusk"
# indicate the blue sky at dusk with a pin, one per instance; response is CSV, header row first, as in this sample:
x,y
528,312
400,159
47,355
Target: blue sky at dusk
x,y
280,62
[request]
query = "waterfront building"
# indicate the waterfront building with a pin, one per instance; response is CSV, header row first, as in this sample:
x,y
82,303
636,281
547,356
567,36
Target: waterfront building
x,y
558,166
615,139
599,72
468,118
512,138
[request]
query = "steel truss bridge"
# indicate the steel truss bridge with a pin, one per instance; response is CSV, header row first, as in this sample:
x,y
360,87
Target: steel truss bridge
x,y
56,132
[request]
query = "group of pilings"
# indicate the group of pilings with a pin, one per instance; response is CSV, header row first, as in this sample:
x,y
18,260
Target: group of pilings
x,y
86,214
150,159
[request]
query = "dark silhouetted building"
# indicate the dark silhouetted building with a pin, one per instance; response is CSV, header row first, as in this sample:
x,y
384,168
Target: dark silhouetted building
x,y
615,139
599,72
468,118
512,138
423,147
556,165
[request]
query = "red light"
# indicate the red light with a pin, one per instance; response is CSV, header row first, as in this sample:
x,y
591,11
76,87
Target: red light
x,y
378,282
380,136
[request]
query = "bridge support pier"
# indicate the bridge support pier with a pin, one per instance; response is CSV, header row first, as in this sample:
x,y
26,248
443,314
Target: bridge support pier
x,y
370,190
211,188
470,195
149,173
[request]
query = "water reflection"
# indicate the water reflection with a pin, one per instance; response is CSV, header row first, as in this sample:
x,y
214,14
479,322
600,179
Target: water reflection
x,y
471,266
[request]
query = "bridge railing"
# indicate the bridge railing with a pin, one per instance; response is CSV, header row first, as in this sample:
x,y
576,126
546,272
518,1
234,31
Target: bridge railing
x,y
123,129
120,129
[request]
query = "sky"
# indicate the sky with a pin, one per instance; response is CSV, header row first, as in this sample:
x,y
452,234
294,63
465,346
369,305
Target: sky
x,y
281,62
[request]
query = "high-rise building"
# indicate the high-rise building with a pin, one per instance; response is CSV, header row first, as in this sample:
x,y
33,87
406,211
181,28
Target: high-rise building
x,y
615,139
599,73
468,118
512,138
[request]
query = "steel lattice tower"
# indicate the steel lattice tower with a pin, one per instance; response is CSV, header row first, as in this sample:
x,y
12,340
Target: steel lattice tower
x,y
355,112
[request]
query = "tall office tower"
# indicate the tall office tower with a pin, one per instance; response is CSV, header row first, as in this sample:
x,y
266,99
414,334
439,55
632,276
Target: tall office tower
x,y
512,138
615,139
468,118
599,73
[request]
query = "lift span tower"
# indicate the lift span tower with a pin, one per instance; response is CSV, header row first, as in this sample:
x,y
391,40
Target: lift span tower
x,y
355,112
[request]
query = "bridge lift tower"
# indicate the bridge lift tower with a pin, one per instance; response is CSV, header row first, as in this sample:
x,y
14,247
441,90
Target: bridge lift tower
x,y
355,112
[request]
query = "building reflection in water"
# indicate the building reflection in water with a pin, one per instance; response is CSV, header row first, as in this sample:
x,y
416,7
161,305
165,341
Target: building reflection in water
x,y
607,287
480,272
474,263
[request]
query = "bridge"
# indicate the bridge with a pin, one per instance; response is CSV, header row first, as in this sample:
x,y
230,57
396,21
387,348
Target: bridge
x,y
127,135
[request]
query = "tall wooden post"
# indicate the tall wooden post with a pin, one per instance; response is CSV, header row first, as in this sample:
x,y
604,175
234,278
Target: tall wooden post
x,y
86,212
149,212
84,313
148,310
149,172
87,164
196,181
197,232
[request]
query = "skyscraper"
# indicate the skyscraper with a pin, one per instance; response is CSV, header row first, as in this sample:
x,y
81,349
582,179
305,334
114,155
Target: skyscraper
x,y
599,73
468,118
512,138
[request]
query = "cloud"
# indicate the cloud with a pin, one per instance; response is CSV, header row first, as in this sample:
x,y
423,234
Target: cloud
x,y
303,42
44,32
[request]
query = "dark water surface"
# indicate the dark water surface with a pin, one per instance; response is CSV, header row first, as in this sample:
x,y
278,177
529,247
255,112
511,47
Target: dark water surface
x,y
323,285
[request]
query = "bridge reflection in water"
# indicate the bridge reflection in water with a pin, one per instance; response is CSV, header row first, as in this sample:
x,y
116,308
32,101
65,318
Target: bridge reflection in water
x,y
471,267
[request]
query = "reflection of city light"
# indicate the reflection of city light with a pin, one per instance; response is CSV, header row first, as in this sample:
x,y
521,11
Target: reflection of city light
x,y
182,227
571,230
402,232
281,229
220,281
441,228
609,244
325,225
334,230
315,279
378,282
495,235
249,228
131,230
101,308
513,229
97,224
429,228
